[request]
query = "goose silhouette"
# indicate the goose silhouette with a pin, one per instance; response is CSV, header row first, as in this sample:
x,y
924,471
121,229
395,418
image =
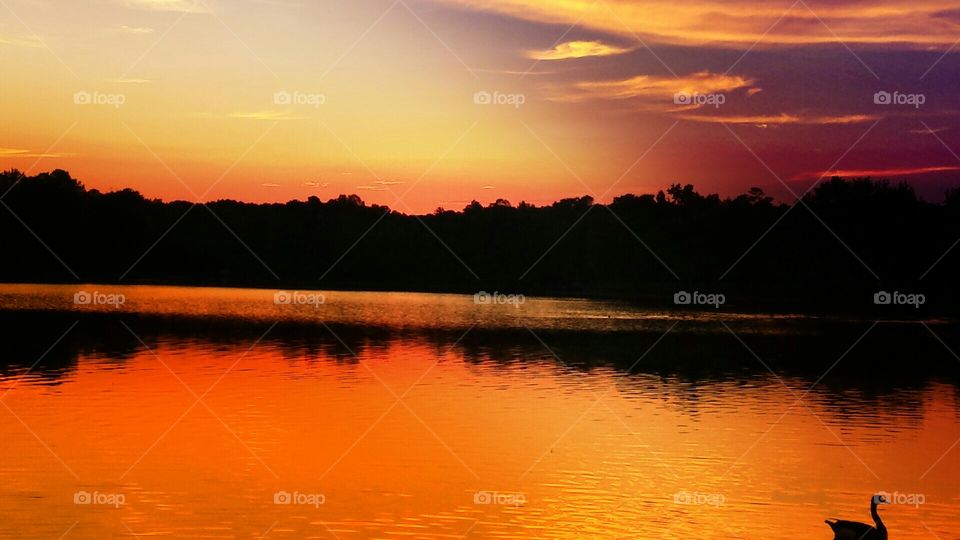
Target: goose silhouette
x,y
852,530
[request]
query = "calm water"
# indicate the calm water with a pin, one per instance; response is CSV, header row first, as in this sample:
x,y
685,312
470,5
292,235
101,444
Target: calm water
x,y
187,413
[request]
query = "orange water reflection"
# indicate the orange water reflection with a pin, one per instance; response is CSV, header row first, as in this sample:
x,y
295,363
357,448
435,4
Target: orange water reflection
x,y
598,454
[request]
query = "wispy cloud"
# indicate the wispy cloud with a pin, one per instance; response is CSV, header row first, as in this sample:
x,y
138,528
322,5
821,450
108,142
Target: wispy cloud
x,y
128,80
925,131
781,119
650,87
182,6
264,115
372,188
577,49
135,29
659,94
880,173
280,3
270,185
744,22
520,73
316,184
22,153
21,41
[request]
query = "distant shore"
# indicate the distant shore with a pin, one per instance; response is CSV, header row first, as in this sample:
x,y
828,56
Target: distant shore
x,y
857,247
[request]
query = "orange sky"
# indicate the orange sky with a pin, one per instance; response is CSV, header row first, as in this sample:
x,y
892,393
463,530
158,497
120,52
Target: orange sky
x,y
268,100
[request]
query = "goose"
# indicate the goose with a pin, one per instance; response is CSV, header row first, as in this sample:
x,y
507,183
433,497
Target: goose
x,y
852,530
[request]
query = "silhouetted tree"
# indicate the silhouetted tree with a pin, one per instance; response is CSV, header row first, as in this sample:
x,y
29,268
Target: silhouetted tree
x,y
823,253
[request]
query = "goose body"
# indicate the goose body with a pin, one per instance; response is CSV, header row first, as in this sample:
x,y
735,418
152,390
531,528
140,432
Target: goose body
x,y
853,530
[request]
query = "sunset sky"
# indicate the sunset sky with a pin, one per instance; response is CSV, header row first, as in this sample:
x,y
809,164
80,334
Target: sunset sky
x,y
270,100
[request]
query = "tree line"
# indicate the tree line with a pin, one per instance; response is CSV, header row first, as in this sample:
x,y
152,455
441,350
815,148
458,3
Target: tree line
x,y
833,249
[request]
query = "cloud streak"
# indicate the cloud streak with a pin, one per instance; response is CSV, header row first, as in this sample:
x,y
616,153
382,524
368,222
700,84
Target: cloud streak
x,y
264,115
21,153
16,41
880,173
659,94
742,23
782,119
180,6
135,29
577,49
661,88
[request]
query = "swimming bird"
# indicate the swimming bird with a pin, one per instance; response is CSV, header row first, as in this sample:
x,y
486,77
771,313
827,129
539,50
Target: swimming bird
x,y
852,530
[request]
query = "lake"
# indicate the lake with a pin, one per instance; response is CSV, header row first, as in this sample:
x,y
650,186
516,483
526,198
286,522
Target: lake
x,y
140,411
